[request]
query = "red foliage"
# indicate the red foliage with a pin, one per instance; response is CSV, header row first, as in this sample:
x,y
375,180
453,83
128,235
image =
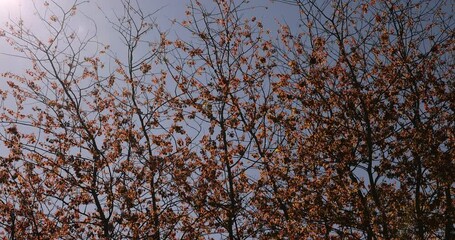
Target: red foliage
x,y
341,128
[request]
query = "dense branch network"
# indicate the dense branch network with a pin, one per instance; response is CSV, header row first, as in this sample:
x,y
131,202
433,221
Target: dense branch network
x,y
338,126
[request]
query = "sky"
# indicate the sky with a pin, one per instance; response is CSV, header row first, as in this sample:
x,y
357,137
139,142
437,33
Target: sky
x,y
92,12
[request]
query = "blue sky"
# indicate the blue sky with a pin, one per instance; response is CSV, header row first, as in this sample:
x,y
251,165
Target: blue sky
x,y
166,11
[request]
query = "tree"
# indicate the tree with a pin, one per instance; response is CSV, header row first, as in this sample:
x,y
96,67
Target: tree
x,y
82,162
340,127
371,81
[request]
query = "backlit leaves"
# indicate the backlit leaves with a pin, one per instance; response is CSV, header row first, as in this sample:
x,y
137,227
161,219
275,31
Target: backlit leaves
x,y
339,126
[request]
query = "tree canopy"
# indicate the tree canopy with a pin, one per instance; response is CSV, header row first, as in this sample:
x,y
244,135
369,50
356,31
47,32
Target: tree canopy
x,y
226,126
